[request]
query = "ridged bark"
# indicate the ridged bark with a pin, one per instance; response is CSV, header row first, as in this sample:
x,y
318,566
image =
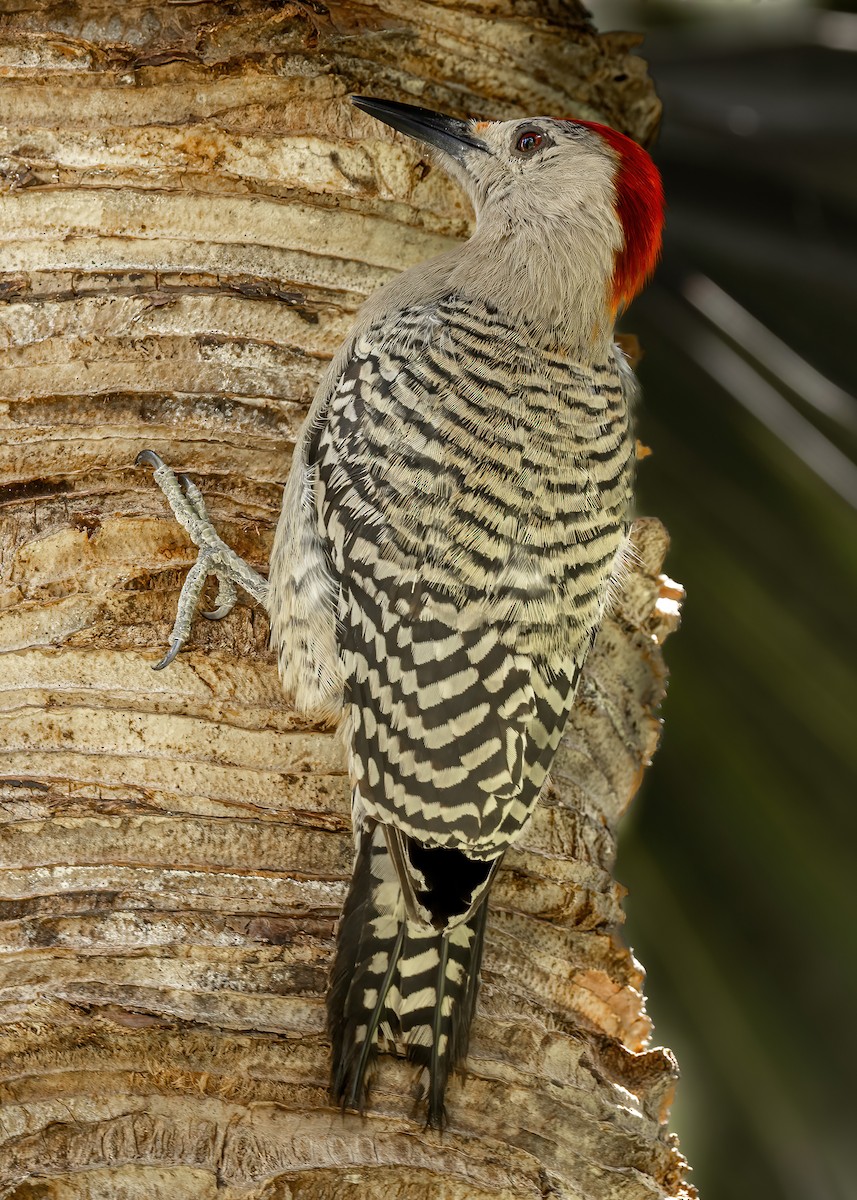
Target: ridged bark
x,y
192,213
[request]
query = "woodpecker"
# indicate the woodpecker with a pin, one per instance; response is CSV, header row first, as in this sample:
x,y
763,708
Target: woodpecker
x,y
457,507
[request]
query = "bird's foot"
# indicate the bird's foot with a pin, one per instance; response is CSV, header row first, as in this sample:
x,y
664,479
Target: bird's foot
x,y
215,557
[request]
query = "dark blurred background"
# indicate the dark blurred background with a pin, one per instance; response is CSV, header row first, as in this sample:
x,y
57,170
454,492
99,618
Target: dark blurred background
x,y
740,854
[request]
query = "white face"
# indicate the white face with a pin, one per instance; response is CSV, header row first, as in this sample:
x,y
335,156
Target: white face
x,y
533,170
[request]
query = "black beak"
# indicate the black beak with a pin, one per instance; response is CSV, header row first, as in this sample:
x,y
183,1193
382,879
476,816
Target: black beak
x,y
446,133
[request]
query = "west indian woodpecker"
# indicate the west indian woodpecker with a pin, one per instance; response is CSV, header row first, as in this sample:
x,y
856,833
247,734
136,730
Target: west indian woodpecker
x,y
458,504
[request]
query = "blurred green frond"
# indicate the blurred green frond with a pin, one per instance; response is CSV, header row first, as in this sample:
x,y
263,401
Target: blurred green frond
x,y
740,855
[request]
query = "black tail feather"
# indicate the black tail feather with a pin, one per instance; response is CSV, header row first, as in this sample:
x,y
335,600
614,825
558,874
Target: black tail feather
x,y
439,1070
443,1000
352,1096
369,943
407,978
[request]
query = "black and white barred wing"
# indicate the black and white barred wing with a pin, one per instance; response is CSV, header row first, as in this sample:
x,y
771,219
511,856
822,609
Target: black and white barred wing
x,y
419,496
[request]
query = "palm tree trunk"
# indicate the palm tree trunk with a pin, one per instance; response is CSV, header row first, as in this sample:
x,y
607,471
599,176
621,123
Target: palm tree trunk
x,y
192,214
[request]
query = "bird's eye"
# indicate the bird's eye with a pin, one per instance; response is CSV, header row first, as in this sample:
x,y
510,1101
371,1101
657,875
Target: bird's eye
x,y
528,141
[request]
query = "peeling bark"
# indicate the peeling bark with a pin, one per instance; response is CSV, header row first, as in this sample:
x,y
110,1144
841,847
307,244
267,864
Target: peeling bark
x,y
192,213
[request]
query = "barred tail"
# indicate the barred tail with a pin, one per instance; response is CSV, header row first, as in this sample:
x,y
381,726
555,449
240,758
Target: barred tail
x,y
439,979
400,978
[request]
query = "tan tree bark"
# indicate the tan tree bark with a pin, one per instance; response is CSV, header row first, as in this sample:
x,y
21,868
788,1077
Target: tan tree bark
x,y
192,213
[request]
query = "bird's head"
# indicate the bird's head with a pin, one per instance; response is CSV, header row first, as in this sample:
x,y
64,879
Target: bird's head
x,y
562,186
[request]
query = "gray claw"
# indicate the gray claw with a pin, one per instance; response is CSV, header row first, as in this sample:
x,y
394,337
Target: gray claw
x,y
227,596
168,657
150,459
217,614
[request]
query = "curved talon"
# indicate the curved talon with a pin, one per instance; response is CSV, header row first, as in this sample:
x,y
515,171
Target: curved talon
x,y
168,657
184,480
226,599
217,614
150,459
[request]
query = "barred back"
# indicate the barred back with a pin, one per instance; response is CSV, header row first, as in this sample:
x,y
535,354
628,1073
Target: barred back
x,y
472,486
